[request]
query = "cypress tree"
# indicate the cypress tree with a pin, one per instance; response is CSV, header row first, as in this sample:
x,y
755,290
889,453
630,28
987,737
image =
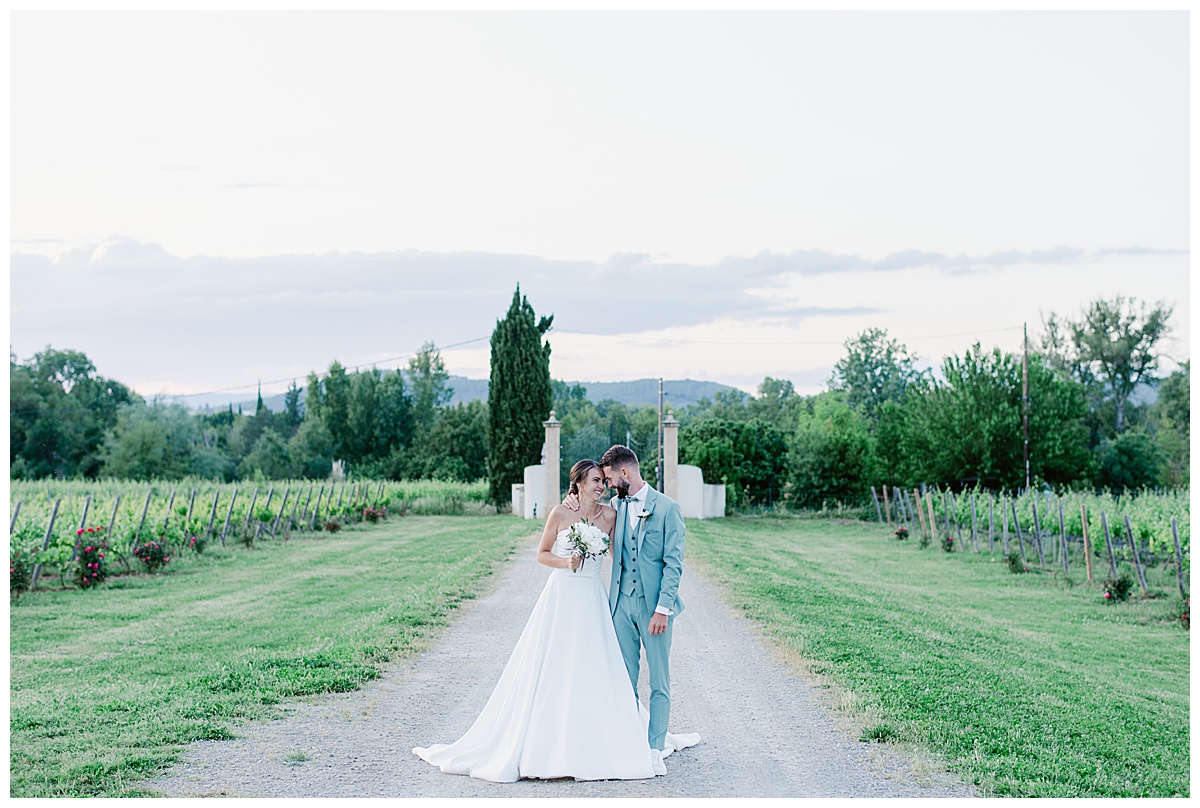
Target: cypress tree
x,y
519,396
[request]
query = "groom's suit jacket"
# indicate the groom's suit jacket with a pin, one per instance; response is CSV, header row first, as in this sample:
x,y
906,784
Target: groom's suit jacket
x,y
660,540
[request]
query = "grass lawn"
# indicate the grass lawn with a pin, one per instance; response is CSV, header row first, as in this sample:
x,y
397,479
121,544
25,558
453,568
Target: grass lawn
x,y
1026,685
108,684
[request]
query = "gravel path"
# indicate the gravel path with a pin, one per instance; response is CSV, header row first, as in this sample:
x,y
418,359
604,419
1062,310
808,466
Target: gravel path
x,y
764,732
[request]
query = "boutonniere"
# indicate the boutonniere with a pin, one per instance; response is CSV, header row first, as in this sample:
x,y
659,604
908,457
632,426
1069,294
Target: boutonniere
x,y
645,514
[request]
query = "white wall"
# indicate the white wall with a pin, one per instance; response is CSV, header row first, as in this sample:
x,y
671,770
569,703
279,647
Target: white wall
x,y
535,492
696,499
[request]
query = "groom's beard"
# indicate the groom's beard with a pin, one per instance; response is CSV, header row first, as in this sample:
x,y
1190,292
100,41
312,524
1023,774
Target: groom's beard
x,y
622,488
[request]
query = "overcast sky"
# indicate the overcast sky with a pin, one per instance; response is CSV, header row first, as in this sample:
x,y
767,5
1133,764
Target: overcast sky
x,y
203,200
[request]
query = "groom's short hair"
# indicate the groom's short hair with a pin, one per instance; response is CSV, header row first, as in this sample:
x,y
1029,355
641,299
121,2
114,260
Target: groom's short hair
x,y
618,457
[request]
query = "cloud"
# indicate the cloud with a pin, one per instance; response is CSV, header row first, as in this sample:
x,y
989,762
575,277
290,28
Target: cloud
x,y
134,304
957,264
1139,251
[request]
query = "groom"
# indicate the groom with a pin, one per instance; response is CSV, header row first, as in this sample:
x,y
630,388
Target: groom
x,y
647,562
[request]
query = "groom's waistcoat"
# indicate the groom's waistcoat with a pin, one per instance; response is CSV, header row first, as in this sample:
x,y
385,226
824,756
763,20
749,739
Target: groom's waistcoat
x,y
630,584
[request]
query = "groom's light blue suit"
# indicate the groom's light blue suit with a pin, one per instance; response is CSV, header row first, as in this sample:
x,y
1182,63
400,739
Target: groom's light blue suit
x,y
647,565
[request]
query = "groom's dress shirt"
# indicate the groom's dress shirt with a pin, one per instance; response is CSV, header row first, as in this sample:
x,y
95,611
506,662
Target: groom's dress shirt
x,y
634,504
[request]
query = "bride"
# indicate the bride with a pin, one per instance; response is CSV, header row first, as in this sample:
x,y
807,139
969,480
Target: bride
x,y
564,705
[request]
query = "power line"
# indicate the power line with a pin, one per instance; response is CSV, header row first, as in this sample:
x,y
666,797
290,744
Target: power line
x,y
777,343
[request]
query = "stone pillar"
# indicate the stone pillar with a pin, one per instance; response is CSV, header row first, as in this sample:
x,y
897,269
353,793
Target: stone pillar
x,y
553,463
671,457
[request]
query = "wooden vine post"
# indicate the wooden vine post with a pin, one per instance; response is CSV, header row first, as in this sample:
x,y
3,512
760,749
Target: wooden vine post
x,y
1062,532
112,520
932,520
887,510
1112,558
250,513
1004,519
258,526
37,568
145,508
308,499
1178,558
1137,562
317,507
170,505
920,512
991,525
212,517
908,514
282,507
1087,542
1017,530
974,525
295,504
957,526
12,523
875,499
228,514
1037,532
87,502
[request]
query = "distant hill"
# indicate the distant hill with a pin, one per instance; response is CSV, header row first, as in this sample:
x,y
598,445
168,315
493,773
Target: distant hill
x,y
677,393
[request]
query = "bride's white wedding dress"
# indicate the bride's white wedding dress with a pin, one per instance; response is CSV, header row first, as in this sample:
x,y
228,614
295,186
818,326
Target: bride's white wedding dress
x,y
564,706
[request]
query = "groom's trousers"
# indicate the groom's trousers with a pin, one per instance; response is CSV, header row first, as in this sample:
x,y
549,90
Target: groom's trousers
x,y
632,622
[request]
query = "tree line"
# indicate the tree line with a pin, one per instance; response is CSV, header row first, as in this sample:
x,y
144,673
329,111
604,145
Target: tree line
x,y
881,420
884,421
68,421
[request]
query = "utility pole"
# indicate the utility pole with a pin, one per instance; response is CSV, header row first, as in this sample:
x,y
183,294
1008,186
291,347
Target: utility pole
x,y
1025,400
659,475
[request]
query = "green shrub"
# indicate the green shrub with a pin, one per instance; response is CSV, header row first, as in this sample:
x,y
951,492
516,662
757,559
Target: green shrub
x,y
152,555
1015,564
1117,589
90,567
20,570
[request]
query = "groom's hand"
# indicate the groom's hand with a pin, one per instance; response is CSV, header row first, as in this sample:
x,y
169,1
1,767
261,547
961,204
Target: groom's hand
x,y
658,623
572,502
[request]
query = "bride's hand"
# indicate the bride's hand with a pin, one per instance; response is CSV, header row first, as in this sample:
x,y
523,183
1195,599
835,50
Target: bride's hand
x,y
571,501
573,562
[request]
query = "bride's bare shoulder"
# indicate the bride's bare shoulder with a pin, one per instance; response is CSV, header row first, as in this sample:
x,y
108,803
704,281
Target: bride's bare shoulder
x,y
564,515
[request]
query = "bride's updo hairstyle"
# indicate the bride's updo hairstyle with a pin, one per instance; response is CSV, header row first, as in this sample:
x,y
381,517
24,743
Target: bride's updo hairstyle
x,y
579,473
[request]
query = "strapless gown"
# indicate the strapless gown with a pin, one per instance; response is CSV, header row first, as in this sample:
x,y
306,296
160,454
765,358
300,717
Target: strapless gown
x,y
564,706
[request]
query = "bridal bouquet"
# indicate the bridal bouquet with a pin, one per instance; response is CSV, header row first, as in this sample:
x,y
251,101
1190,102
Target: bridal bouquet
x,y
587,541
